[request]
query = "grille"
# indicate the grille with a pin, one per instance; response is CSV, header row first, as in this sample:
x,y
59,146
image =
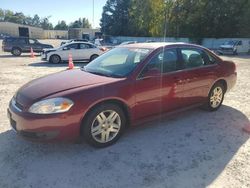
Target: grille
x,y
227,49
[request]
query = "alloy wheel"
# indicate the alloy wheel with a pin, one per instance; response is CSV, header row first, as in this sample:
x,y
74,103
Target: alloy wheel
x,y
106,126
216,97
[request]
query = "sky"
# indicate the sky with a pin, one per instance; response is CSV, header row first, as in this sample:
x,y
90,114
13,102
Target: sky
x,y
68,10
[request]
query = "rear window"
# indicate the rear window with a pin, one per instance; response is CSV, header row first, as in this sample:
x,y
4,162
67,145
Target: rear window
x,y
21,41
15,40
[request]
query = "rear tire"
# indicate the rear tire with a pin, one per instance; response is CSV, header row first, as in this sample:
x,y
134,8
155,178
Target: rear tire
x,y
55,59
215,97
16,51
93,57
103,125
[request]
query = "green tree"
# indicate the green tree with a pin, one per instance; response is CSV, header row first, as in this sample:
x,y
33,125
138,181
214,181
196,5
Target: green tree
x,y
8,16
244,23
61,25
148,17
206,18
85,23
36,21
1,14
28,20
115,17
80,23
45,24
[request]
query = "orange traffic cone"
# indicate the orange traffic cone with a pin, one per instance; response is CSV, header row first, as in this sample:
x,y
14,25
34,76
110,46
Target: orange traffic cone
x,y
246,128
32,53
71,64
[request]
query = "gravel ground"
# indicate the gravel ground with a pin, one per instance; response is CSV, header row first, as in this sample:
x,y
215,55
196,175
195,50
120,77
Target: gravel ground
x,y
192,149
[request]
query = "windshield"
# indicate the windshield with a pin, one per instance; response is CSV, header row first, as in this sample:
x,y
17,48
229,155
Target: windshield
x,y
231,43
118,62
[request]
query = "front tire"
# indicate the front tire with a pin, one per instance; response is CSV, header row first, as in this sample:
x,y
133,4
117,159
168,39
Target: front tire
x,y
104,125
215,97
55,59
16,51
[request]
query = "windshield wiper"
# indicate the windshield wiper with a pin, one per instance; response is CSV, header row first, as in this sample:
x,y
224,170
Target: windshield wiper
x,y
101,74
83,69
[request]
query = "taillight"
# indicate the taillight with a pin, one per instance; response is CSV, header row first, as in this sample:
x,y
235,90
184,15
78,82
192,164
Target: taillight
x,y
103,49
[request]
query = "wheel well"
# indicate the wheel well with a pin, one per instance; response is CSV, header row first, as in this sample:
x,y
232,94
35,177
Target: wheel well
x,y
15,47
121,104
224,83
93,55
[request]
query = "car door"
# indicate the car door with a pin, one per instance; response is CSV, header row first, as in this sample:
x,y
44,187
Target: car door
x,y
87,50
24,44
35,45
240,47
173,81
199,73
158,86
70,49
84,51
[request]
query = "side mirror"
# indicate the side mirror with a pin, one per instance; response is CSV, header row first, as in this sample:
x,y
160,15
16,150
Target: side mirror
x,y
152,73
65,48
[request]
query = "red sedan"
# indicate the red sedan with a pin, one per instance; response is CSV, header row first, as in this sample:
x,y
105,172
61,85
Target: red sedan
x,y
125,86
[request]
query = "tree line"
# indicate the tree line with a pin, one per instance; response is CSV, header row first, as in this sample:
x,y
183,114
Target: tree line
x,y
177,18
43,22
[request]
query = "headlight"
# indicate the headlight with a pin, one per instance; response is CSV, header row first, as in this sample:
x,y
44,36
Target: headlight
x,y
51,106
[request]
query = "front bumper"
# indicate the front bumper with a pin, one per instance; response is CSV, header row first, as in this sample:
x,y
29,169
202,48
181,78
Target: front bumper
x,y
59,127
44,56
226,51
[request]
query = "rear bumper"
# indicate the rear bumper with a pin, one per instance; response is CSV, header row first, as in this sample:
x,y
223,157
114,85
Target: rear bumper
x,y
231,81
44,127
5,49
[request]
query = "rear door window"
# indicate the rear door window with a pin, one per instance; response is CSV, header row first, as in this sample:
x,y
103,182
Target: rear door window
x,y
31,41
211,59
72,46
20,41
83,46
193,58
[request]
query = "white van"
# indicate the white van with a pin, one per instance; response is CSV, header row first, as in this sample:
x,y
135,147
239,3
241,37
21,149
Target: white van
x,y
235,47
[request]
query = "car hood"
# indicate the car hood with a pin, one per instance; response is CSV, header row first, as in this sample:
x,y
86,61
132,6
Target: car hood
x,y
55,83
50,49
45,45
226,46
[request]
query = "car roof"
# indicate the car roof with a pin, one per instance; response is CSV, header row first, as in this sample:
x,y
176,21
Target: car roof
x,y
79,42
155,45
18,37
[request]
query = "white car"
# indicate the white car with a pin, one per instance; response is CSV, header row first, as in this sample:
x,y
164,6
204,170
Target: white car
x,y
235,47
80,51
